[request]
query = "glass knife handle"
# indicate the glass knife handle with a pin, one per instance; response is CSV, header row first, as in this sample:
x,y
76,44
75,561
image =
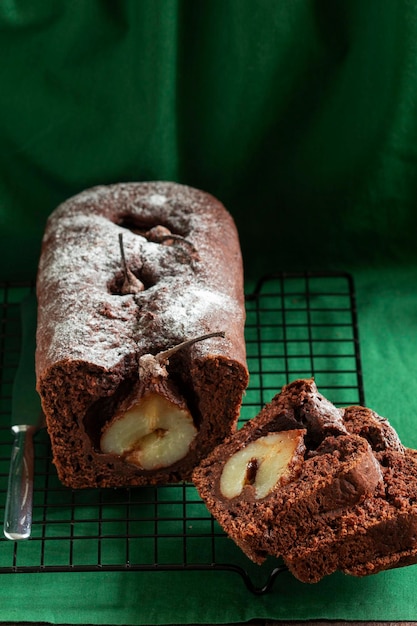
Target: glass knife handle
x,y
19,500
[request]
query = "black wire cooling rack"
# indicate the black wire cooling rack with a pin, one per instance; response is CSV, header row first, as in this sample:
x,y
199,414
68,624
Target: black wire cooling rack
x,y
298,325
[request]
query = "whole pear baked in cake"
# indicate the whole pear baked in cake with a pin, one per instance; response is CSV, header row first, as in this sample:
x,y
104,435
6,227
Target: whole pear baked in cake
x,y
140,359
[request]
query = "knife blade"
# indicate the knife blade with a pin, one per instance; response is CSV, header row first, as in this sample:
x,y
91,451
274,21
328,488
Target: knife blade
x,y
27,418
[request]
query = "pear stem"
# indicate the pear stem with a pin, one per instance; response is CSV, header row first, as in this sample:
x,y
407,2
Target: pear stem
x,y
122,254
163,356
131,284
155,366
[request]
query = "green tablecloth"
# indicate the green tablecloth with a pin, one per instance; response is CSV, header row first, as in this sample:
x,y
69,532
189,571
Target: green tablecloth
x,y
300,115
191,599
387,306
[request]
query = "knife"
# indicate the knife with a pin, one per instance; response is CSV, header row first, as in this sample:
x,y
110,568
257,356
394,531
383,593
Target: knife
x,y
27,418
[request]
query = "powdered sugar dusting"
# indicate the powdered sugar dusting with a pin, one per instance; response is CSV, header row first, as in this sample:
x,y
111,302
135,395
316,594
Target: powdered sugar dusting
x,y
82,316
186,316
157,199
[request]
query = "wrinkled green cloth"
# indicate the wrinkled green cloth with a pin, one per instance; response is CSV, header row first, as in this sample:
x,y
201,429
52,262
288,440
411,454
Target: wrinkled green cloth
x,y
300,115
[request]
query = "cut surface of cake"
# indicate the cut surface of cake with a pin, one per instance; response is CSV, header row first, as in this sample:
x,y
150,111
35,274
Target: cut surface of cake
x,y
347,501
127,272
365,539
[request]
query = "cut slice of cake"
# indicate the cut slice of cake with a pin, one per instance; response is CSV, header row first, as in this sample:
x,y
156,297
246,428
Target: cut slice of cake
x,y
347,502
338,473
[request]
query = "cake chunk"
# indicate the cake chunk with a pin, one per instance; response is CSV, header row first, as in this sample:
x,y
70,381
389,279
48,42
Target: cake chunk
x,y
379,534
339,472
127,273
372,427
349,498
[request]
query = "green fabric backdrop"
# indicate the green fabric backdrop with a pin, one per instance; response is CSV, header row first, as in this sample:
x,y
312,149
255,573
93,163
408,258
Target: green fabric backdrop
x,y
301,116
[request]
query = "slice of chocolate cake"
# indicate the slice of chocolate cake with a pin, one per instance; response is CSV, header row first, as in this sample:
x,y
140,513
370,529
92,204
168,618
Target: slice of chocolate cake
x,y
265,484
346,500
126,273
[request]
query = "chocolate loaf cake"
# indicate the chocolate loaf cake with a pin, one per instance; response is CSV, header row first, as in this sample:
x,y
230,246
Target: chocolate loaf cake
x,y
126,273
335,471
346,499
